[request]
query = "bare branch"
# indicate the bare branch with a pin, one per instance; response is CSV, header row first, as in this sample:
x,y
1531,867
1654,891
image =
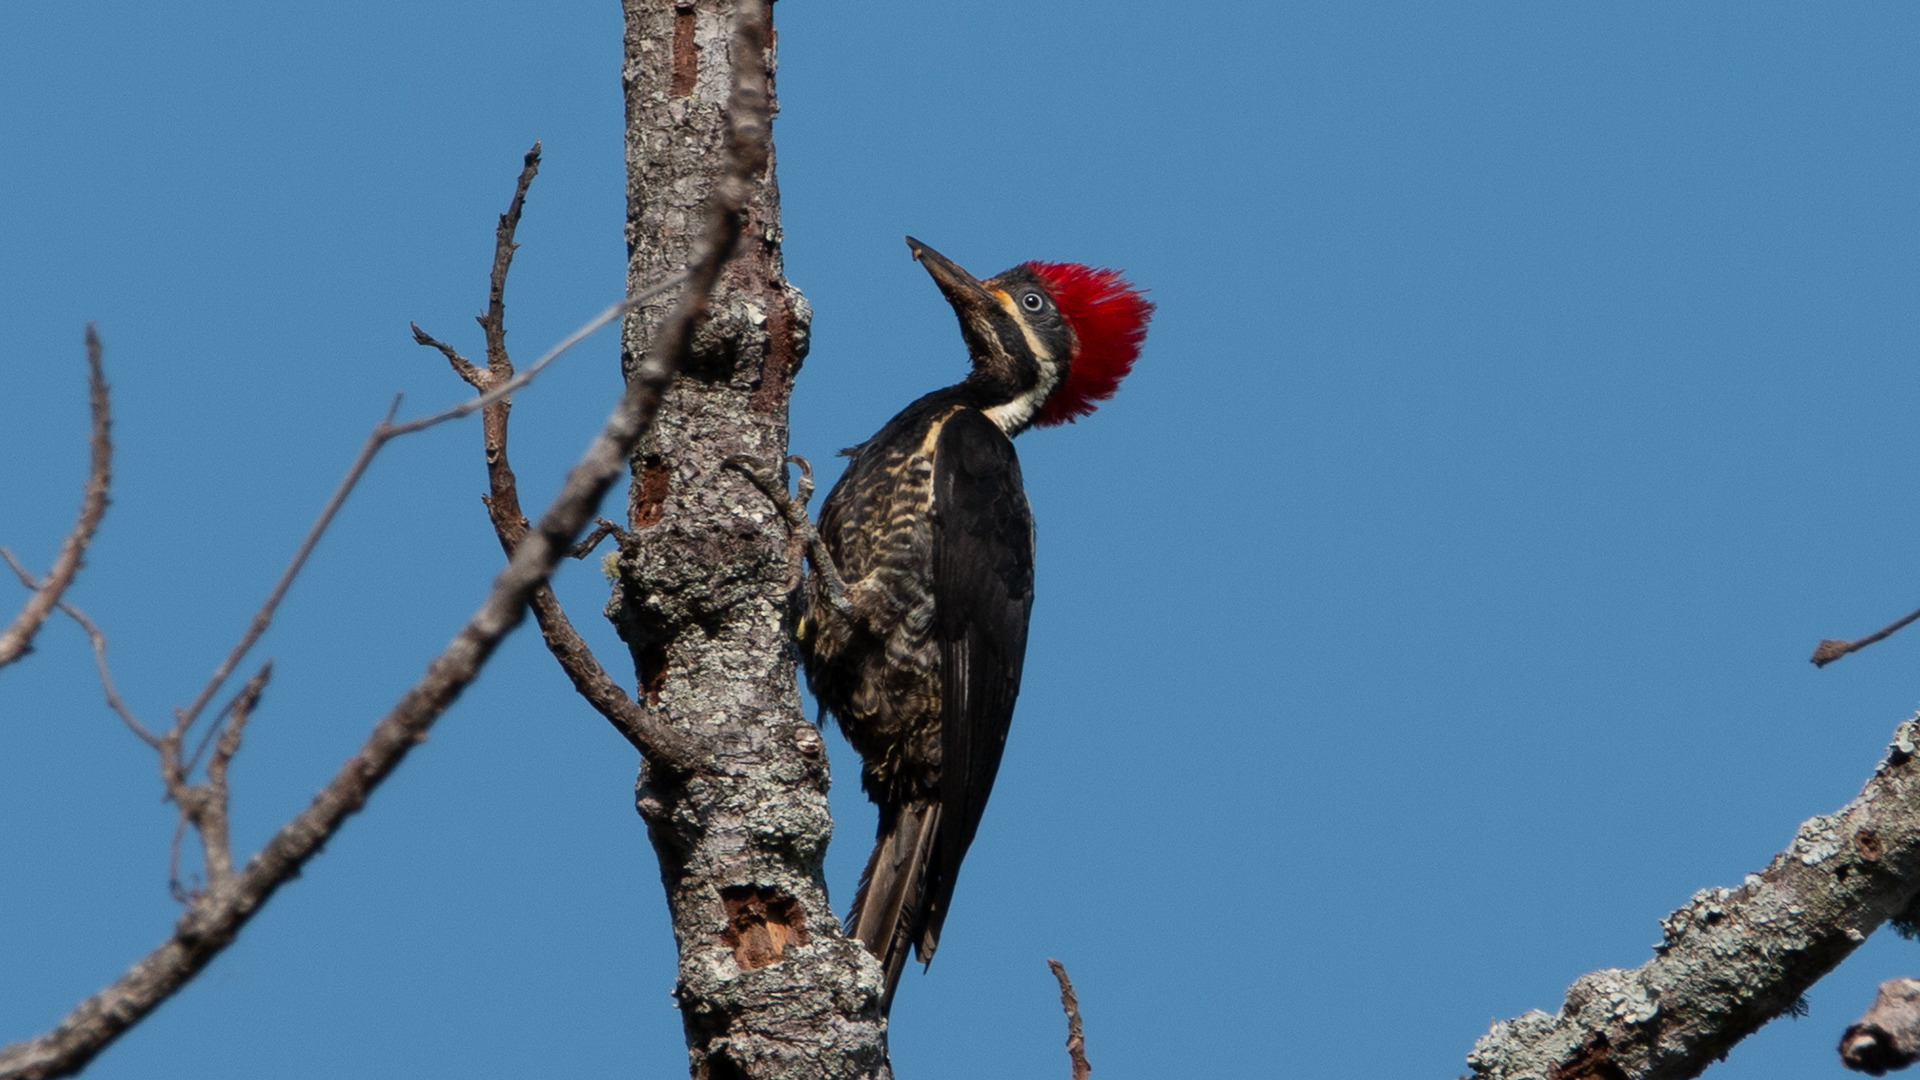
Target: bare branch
x,y
1732,959
1888,1036
218,914
507,389
17,640
654,739
602,528
99,640
1831,650
1076,1040
213,820
213,731
382,433
494,322
204,805
666,747
386,431
462,366
178,891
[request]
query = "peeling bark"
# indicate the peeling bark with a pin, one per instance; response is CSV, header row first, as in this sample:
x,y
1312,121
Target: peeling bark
x,y
768,985
1732,959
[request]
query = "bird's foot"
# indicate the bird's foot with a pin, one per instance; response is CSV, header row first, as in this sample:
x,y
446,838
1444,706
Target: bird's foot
x,y
803,540
602,530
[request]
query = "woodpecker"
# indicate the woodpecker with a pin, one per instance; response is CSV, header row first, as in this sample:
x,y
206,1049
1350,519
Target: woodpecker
x,y
919,658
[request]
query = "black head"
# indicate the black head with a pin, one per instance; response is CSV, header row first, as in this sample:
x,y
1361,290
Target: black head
x,y
1020,343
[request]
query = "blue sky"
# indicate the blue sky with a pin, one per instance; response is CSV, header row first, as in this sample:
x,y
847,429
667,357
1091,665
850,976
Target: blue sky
x,y
1428,615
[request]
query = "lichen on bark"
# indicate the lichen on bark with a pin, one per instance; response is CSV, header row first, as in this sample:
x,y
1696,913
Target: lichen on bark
x,y
1733,958
768,985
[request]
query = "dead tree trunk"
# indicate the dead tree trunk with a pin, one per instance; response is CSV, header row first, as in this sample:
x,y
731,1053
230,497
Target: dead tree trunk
x,y
768,986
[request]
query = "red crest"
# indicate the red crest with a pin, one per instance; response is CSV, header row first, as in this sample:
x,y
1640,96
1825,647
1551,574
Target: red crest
x,y
1109,317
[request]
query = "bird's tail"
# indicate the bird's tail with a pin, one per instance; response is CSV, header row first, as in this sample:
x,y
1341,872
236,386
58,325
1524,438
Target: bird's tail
x,y
890,910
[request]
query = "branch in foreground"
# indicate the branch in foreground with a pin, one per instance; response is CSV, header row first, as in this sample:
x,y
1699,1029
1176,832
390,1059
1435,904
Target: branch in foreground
x,y
384,433
1830,650
1076,1040
217,916
650,735
1732,959
17,640
1888,1036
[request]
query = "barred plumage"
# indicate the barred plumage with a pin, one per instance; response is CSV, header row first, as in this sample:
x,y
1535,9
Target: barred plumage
x,y
930,530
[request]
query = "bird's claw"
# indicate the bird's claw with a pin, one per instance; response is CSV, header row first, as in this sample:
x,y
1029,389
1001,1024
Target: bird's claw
x,y
803,540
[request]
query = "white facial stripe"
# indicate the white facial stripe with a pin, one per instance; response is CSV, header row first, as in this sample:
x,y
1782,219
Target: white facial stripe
x,y
1040,352
1017,414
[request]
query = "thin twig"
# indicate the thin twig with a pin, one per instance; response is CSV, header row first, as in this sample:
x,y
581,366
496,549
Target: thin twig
x,y
214,729
505,390
664,745
219,914
384,432
602,528
99,641
178,891
1076,1039
494,322
502,500
17,640
212,822
205,805
462,366
1831,650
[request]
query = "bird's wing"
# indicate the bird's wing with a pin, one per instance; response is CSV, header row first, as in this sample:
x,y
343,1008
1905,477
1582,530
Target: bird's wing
x,y
983,593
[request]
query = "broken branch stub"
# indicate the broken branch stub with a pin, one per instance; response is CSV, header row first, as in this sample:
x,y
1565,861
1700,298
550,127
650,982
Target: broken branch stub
x,y
1888,1036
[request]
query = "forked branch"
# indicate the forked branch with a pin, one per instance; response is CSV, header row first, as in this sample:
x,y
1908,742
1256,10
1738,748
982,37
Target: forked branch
x,y
17,639
658,742
217,915
204,804
383,433
99,640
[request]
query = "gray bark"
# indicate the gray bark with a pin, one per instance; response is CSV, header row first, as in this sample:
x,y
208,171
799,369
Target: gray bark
x,y
1888,1036
1732,959
17,639
768,986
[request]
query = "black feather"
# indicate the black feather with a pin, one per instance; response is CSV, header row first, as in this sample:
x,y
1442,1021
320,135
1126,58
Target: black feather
x,y
929,525
983,595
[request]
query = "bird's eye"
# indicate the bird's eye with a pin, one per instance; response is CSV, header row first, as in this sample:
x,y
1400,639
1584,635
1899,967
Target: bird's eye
x,y
1032,302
